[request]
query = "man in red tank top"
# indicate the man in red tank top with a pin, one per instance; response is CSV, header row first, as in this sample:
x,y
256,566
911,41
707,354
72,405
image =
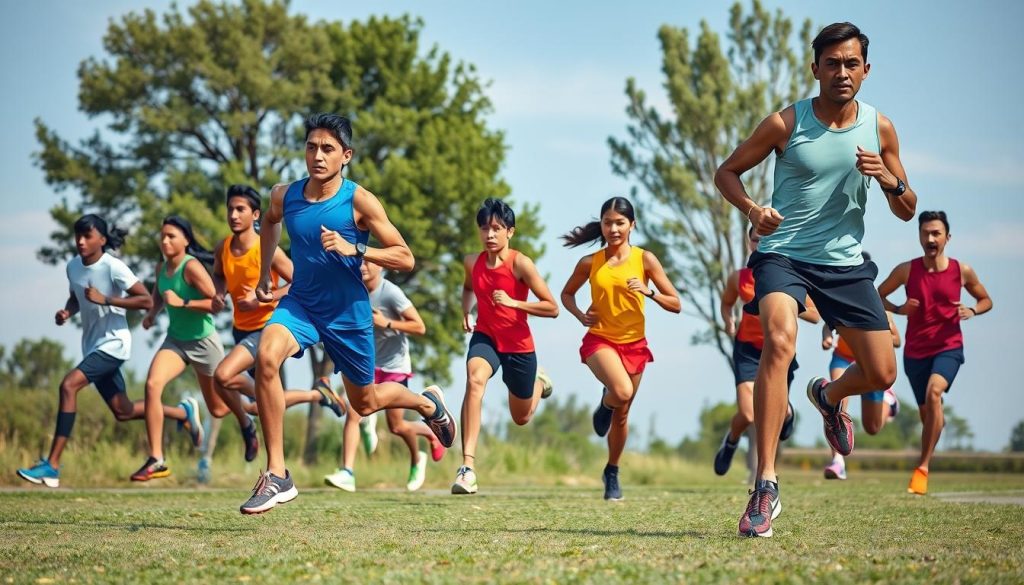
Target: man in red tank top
x,y
935,345
498,281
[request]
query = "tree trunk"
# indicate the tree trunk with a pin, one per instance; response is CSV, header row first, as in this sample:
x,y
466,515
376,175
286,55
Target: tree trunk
x,y
322,366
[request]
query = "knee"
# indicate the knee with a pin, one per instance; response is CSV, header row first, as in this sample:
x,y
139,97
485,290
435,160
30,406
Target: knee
x,y
122,416
67,390
933,395
476,383
747,418
621,392
881,377
364,405
154,389
780,345
521,419
397,427
222,376
872,427
219,411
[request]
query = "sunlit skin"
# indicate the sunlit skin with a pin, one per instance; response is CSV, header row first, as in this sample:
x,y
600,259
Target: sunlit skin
x,y
840,71
326,156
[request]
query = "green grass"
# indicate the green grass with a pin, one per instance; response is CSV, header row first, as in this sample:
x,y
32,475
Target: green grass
x,y
860,531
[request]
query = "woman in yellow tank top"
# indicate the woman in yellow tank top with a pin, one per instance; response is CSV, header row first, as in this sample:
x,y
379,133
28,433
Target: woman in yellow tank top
x,y
615,347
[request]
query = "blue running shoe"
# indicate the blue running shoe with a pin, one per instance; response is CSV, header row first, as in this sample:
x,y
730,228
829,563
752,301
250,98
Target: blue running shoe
x,y
723,458
612,491
192,421
203,472
41,473
788,424
603,416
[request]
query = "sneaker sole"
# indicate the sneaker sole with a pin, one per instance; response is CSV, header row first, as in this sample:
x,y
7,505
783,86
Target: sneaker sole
x,y
345,488
814,401
829,474
157,475
49,482
197,441
461,490
281,498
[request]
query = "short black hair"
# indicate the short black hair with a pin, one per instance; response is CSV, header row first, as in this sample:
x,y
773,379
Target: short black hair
x,y
837,33
248,193
927,216
491,208
339,126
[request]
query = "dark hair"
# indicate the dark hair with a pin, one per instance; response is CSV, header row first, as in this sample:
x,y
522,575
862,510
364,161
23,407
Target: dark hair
x,y
339,126
837,33
927,216
493,207
591,232
91,221
248,193
194,248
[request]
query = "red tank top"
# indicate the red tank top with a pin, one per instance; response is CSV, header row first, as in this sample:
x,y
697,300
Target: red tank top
x,y
750,325
506,326
935,326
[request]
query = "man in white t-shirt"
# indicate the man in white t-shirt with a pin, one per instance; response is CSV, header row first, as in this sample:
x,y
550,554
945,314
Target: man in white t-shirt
x,y
102,288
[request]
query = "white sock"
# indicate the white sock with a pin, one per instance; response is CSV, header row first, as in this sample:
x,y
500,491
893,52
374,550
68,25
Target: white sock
x,y
838,459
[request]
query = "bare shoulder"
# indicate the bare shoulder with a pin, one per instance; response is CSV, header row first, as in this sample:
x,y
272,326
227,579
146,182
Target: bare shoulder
x,y
277,191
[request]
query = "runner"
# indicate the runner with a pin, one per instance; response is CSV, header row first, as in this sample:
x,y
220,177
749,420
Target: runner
x,y
102,289
935,344
828,150
394,318
236,271
746,354
330,220
185,287
615,346
498,281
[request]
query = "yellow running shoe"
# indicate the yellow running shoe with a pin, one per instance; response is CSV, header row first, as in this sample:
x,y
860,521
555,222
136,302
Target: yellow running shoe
x,y
918,482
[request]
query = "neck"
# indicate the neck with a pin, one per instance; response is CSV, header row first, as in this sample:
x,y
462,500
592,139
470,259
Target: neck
x,y
320,190
175,260
92,258
834,113
938,262
617,249
246,238
500,255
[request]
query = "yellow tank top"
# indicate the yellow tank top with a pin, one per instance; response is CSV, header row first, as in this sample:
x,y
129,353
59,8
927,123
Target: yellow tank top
x,y
241,273
620,311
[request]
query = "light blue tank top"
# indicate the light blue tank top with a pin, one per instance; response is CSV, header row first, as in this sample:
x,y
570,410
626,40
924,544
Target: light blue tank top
x,y
329,286
819,192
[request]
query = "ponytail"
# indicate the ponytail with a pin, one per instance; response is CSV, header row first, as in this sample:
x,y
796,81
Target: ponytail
x,y
591,232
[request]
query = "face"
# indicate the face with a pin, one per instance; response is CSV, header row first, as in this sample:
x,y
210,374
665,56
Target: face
x,y
325,156
370,271
615,227
933,238
840,71
240,215
494,235
90,243
172,241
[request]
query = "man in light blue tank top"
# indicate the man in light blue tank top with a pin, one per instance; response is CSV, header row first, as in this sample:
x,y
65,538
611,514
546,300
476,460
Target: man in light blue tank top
x,y
329,220
828,151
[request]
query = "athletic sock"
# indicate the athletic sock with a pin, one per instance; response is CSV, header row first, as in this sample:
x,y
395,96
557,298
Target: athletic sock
x,y
838,459
65,422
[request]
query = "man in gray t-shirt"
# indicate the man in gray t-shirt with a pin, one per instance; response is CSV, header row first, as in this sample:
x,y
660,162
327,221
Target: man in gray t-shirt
x,y
394,317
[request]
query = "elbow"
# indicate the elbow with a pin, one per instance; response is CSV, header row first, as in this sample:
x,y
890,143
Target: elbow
x,y
420,329
146,303
408,262
676,306
553,313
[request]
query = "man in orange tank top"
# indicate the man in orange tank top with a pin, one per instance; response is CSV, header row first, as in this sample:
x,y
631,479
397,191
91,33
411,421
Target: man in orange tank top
x,y
498,281
746,356
935,349
236,270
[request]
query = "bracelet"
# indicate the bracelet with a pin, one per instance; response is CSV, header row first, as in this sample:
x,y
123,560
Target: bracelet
x,y
971,309
752,208
106,301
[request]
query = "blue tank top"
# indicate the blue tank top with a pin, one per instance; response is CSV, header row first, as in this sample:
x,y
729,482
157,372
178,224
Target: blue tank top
x,y
329,286
819,191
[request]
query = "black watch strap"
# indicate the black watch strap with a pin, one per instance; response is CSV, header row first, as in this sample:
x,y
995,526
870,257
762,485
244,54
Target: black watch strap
x,y
899,189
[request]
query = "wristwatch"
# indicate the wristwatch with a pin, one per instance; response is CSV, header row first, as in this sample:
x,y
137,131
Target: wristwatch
x,y
360,249
898,190
651,296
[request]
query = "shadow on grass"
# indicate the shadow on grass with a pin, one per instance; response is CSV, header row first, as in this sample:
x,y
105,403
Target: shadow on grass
x,y
657,534
128,526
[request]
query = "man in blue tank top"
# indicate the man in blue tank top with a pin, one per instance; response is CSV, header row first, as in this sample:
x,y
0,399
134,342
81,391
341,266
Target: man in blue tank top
x,y
329,220
827,151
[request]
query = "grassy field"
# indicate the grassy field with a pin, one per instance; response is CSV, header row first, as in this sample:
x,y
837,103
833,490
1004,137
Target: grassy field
x,y
860,531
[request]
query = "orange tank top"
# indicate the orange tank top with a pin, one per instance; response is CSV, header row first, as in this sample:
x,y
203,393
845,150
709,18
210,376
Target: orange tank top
x,y
507,327
844,351
750,325
620,311
241,275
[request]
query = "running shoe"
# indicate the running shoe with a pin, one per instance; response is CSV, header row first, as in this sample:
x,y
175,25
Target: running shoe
x,y
328,397
251,440
41,473
723,459
788,424
368,433
418,472
893,402
603,416
610,477
441,422
547,386
151,469
465,481
763,507
343,479
838,425
918,483
192,422
270,491
203,472
835,470
436,448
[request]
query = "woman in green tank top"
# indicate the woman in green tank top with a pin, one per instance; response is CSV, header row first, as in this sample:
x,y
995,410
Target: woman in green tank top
x,y
186,289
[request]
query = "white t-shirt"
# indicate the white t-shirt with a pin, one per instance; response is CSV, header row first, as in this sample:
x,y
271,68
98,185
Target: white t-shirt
x,y
392,347
104,328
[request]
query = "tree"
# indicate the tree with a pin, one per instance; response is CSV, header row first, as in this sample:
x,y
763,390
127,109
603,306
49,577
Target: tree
x,y
714,422
36,363
192,102
957,435
1017,438
718,97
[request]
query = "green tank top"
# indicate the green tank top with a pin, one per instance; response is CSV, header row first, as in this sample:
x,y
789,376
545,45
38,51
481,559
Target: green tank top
x,y
186,324
819,191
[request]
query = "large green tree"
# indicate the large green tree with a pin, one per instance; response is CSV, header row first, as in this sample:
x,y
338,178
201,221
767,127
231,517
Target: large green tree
x,y
189,102
717,95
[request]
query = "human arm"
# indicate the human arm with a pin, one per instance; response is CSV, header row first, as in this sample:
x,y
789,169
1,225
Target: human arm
x,y
525,270
983,303
138,298
198,278
810,313
270,236
887,168
896,340
369,214
468,296
69,310
897,278
730,295
665,295
410,323
157,300
579,275
219,282
826,337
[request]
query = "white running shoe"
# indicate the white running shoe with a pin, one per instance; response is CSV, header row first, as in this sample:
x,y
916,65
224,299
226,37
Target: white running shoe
x,y
547,386
418,472
368,433
342,479
465,481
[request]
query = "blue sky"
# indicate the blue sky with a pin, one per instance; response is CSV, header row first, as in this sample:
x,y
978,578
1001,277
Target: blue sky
x,y
947,74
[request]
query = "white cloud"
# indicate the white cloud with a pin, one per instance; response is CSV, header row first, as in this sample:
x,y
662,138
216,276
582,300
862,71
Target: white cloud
x,y
1001,172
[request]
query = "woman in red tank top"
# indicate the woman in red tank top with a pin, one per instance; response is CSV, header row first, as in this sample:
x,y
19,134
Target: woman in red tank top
x,y
498,282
